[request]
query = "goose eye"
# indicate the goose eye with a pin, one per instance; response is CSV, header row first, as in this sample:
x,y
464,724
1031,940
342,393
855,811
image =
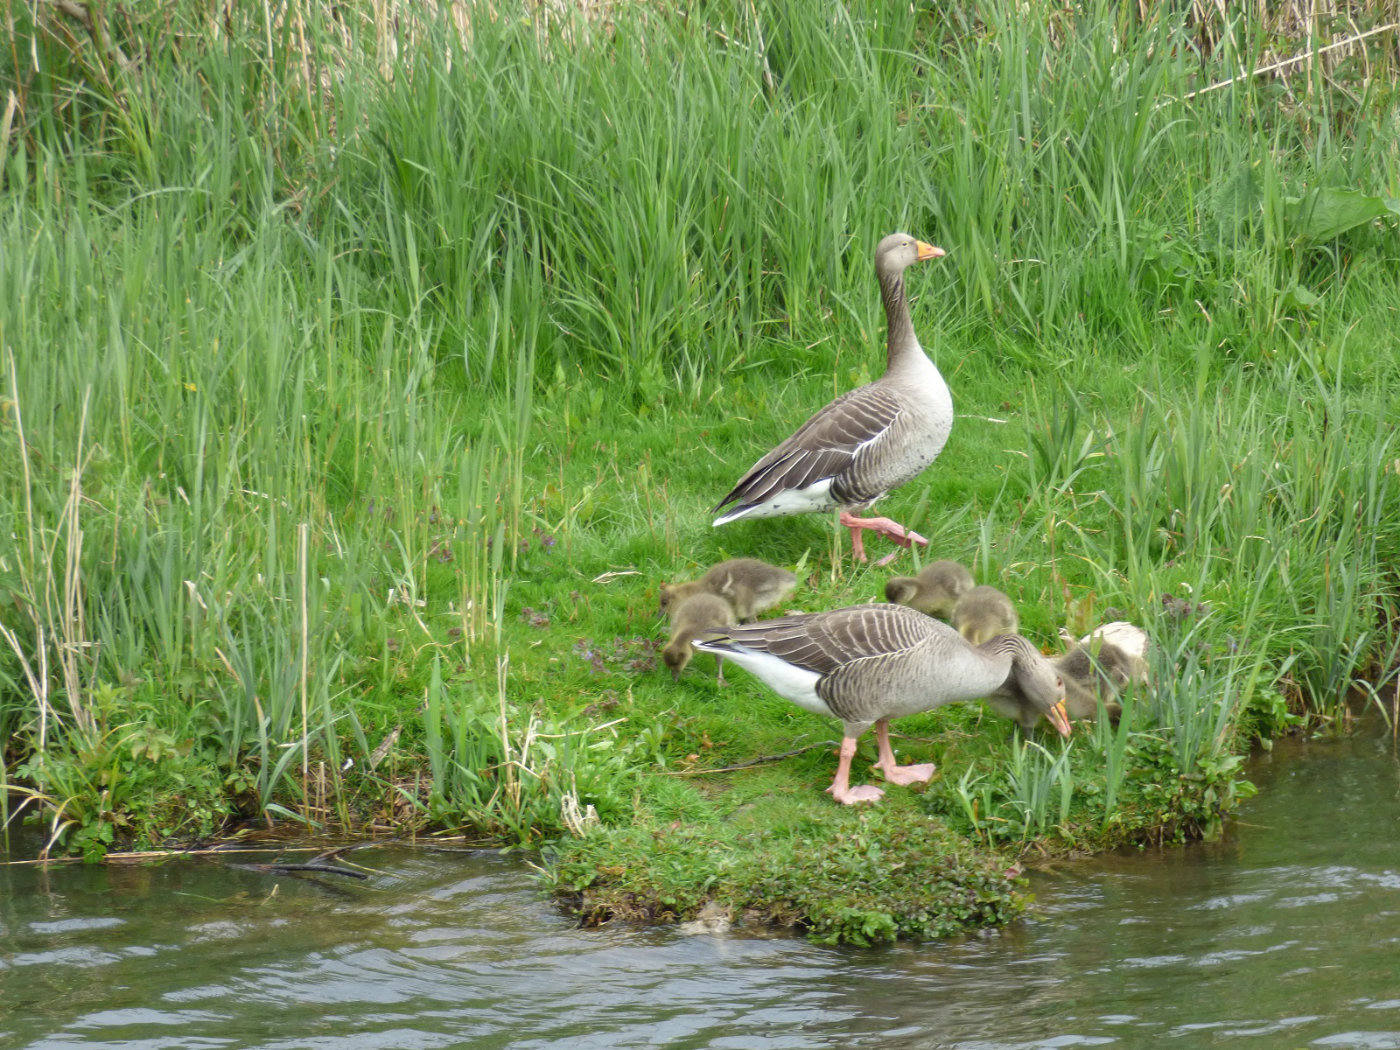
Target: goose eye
x,y
1059,683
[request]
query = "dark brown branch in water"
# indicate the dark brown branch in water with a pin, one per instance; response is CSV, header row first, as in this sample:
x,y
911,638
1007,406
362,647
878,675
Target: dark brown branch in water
x,y
292,869
318,865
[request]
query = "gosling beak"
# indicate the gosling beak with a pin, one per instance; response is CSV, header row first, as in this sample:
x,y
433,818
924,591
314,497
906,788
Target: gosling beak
x,y
675,674
930,251
1059,719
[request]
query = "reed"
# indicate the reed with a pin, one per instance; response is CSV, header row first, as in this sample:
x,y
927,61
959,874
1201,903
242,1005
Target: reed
x,y
1040,787
1112,743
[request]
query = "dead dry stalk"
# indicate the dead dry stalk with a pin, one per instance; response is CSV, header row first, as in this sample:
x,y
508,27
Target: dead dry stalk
x,y
52,598
1305,57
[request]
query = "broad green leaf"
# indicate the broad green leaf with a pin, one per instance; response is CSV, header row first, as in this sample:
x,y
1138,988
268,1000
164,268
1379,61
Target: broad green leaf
x,y
1295,296
1325,213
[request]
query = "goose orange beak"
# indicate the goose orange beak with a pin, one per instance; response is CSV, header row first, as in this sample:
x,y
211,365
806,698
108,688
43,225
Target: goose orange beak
x,y
1059,719
930,251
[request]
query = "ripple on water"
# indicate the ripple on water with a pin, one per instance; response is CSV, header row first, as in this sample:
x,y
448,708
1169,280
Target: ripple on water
x,y
1286,934
1361,1041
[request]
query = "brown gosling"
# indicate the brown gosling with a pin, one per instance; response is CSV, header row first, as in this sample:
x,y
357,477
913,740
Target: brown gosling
x,y
983,613
690,619
934,592
749,586
1089,678
1130,640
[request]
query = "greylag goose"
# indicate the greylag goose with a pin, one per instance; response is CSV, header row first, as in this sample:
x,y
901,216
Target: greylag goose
x,y
935,591
694,616
983,613
869,440
1090,678
747,584
866,664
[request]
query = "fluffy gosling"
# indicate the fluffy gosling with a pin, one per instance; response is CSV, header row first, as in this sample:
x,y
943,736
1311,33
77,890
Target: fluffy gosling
x,y
749,586
690,619
983,613
934,592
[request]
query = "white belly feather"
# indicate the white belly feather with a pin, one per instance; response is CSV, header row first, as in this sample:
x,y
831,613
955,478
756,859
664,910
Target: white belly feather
x,y
815,497
787,680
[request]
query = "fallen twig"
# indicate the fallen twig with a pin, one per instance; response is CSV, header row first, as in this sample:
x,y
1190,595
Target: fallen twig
x,y
318,865
750,762
613,574
1274,67
161,854
96,25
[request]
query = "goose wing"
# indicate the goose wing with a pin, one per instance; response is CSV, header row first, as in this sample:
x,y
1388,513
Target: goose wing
x,y
823,448
824,643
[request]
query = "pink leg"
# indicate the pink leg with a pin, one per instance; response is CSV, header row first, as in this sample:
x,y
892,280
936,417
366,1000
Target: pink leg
x,y
857,544
841,789
885,527
915,774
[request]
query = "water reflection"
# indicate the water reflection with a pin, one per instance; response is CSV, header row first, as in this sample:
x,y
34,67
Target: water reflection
x,y
1287,934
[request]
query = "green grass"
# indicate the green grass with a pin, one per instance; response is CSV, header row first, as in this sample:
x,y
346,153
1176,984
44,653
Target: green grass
x,y
354,420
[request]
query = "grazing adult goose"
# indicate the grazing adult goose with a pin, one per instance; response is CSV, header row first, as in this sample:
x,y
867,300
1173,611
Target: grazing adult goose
x,y
869,440
935,591
1089,678
866,664
694,616
983,613
747,584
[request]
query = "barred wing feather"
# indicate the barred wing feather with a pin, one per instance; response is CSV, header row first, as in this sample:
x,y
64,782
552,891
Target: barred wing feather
x,y
827,446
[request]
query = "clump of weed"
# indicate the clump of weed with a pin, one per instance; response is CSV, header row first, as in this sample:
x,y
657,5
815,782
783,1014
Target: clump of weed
x,y
854,877
135,783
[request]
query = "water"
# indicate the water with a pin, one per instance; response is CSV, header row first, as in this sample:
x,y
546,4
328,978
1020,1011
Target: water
x,y
1287,934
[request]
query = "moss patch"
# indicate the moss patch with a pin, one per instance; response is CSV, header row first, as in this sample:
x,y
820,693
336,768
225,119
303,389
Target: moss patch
x,y
842,875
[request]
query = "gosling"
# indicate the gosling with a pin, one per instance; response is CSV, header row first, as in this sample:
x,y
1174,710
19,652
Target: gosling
x,y
983,613
934,592
690,619
749,586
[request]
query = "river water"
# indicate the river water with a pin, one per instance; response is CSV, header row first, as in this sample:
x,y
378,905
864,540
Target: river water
x,y
1286,934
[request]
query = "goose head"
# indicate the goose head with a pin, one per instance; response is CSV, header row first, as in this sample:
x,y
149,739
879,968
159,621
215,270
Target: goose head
x,y
1039,682
895,253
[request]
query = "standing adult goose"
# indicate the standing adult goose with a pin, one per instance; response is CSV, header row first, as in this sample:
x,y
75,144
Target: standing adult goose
x,y
866,664
869,440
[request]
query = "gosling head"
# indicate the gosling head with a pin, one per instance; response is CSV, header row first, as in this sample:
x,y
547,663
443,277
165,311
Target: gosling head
x,y
901,590
672,594
897,252
676,656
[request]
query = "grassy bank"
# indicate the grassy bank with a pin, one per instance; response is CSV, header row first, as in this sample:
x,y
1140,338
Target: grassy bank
x,y
361,380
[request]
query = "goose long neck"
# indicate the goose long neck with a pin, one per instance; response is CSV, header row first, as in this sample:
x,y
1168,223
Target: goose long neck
x,y
901,342
1003,653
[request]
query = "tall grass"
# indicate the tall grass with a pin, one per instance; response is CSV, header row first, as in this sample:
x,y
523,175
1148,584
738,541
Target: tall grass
x,y
288,310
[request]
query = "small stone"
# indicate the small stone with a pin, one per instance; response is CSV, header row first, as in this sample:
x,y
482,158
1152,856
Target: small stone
x,y
713,918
